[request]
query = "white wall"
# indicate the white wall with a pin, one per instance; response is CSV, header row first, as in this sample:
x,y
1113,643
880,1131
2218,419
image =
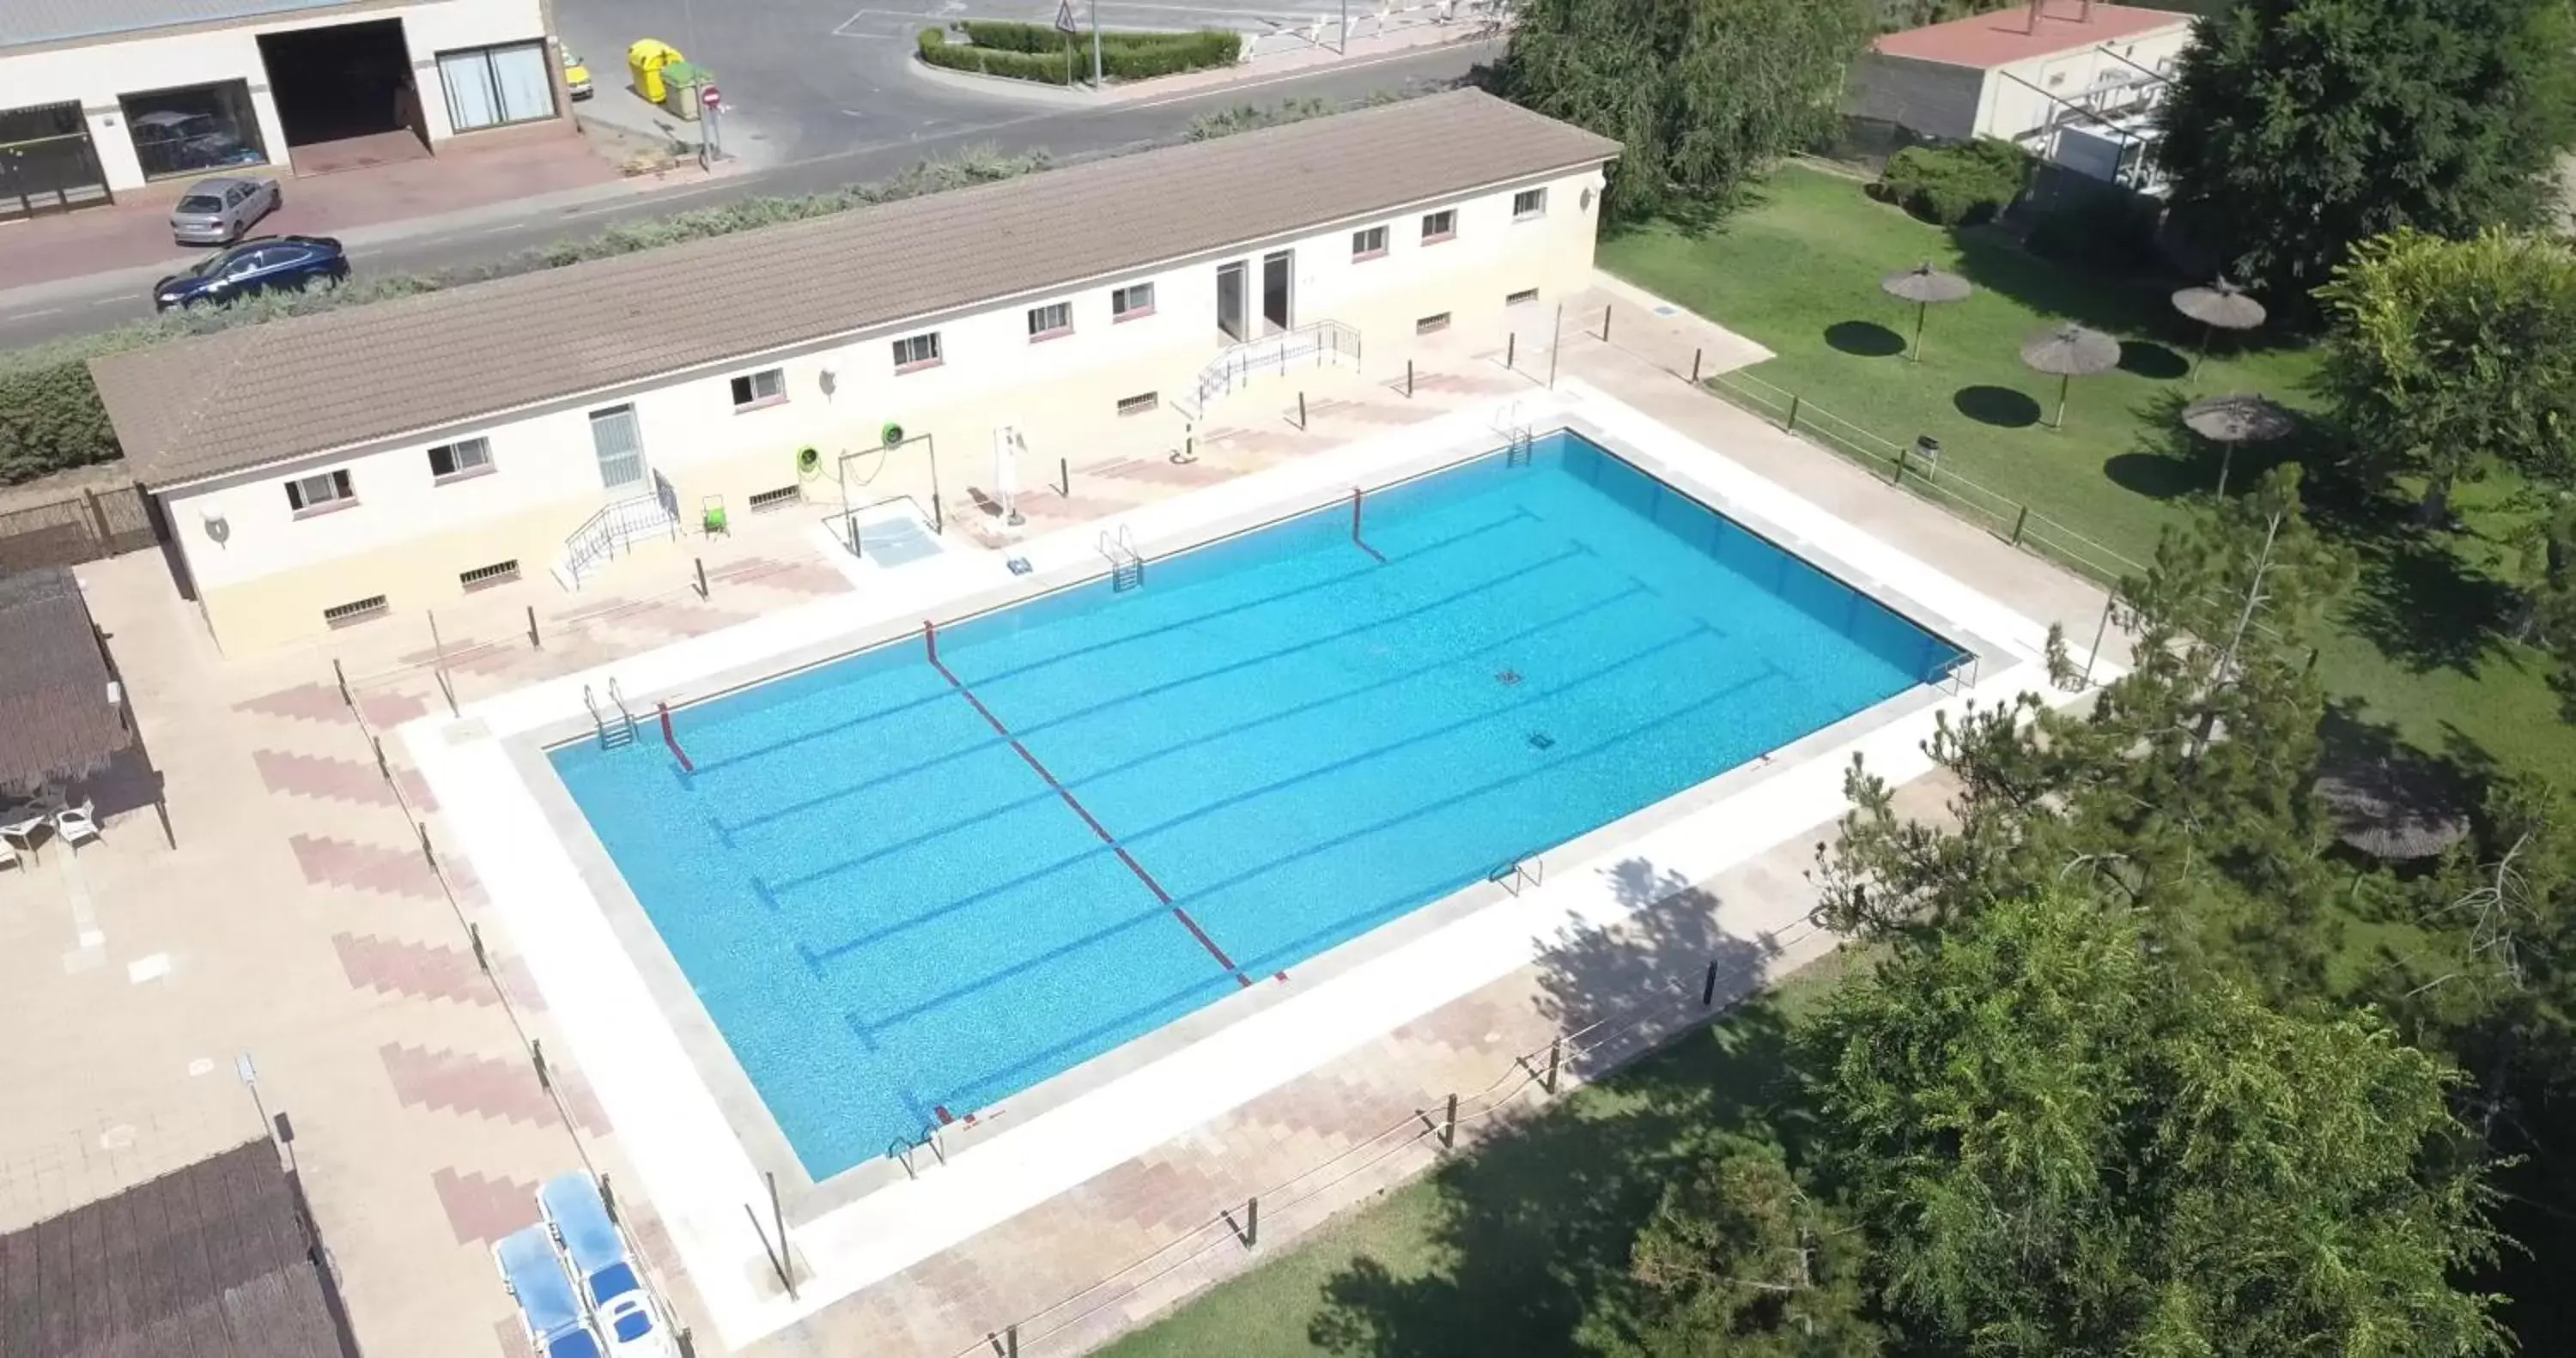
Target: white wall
x,y
2011,109
991,373
96,75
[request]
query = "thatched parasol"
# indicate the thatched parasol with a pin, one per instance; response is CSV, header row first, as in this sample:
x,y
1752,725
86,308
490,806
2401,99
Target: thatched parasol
x,y
2220,306
61,717
1924,285
2068,352
2240,417
2392,811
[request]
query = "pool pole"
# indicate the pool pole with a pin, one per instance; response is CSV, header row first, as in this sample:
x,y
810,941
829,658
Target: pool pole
x,y
674,741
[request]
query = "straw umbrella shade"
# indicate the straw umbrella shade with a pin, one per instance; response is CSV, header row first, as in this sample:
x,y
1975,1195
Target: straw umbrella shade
x,y
2392,810
1923,285
2069,352
2220,306
2241,417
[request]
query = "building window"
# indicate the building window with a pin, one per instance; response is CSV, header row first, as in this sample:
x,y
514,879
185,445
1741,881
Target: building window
x,y
1368,244
1131,301
1439,226
356,610
465,457
320,491
1529,203
1431,325
915,352
780,498
1140,405
1051,320
484,577
1522,297
497,86
762,388
194,129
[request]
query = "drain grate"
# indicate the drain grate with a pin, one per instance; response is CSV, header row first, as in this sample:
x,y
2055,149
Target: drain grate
x,y
1541,740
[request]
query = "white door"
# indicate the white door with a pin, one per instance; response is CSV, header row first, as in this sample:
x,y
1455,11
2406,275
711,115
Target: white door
x,y
621,449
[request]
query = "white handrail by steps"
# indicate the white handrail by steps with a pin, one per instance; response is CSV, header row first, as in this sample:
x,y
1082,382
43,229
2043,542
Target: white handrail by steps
x,y
1324,341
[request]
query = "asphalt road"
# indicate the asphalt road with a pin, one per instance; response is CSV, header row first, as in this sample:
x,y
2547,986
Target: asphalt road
x,y
943,125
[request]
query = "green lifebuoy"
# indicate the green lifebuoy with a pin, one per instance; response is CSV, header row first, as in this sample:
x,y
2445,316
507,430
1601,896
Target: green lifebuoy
x,y
891,435
808,461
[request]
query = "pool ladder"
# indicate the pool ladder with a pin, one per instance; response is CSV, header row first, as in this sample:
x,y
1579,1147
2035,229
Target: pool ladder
x,y
1126,564
1517,452
612,735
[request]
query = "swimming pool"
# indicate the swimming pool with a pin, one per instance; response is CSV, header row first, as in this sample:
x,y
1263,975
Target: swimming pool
x,y
916,881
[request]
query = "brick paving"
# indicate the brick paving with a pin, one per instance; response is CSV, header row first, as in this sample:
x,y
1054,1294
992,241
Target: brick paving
x,y
300,922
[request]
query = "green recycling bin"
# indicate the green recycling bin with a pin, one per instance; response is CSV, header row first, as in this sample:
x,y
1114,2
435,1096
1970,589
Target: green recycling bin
x,y
683,82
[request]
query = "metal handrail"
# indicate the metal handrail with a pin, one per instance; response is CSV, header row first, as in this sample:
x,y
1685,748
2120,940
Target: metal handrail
x,y
1327,340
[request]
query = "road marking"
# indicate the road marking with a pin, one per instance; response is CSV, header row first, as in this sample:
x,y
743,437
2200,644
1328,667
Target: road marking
x,y
30,315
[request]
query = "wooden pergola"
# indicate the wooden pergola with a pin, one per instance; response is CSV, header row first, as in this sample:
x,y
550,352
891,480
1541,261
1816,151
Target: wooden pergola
x,y
62,715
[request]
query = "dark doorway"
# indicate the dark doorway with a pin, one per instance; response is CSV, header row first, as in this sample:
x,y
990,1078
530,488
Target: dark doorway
x,y
342,81
46,162
1276,299
1229,300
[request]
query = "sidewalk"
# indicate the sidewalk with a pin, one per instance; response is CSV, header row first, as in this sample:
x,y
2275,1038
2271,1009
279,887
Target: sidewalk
x,y
78,247
1289,53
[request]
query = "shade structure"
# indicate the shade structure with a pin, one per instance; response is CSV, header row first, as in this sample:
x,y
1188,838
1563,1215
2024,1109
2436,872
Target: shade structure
x,y
2219,306
59,717
2391,810
1923,285
2239,417
2068,352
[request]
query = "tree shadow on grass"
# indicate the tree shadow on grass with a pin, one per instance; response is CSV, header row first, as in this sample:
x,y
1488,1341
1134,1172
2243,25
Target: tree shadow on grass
x,y
2153,361
2001,407
1536,1222
1864,339
2419,603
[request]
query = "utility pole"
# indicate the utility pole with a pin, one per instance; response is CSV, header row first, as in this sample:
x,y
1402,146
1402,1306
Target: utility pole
x,y
1095,46
1346,27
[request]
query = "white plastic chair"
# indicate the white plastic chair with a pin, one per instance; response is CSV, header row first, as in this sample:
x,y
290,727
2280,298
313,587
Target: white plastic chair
x,y
77,823
21,834
9,856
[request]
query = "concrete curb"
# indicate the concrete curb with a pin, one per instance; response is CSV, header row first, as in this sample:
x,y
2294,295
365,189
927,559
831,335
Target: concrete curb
x,y
1005,87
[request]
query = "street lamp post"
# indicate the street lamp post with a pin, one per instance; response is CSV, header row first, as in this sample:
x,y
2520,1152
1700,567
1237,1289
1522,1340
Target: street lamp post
x,y
1095,46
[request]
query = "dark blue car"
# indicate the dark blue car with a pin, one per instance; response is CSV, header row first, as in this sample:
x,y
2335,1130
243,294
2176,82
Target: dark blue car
x,y
257,265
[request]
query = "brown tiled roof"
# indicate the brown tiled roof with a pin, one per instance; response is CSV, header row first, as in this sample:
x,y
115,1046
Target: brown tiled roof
x,y
55,719
212,1261
265,393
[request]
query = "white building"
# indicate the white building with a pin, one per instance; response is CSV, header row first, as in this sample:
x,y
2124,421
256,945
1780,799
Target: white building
x,y
2075,82
102,99
321,471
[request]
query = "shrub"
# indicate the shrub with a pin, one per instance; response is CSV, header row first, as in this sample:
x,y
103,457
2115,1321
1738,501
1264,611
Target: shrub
x,y
1002,36
1038,52
1956,185
2107,232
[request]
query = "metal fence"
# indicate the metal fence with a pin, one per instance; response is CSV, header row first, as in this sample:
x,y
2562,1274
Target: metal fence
x,y
79,528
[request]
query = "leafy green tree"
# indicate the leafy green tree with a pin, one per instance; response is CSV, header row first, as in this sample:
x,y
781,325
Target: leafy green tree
x,y
2181,794
2447,359
2297,129
2061,1143
1703,93
1740,1259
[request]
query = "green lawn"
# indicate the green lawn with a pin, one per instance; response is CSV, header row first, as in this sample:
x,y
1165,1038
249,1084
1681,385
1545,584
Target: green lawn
x,y
1798,271
1519,1248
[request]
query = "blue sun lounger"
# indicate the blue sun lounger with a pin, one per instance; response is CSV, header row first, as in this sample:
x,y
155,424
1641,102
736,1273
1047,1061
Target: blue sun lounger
x,y
602,1271
555,1323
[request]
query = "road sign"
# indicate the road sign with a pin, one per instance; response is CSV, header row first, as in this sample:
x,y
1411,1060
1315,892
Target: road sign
x,y
711,97
1064,18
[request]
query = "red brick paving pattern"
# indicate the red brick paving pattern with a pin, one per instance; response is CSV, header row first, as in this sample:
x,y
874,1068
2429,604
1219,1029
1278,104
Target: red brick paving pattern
x,y
484,1209
461,1082
426,971
363,867
348,780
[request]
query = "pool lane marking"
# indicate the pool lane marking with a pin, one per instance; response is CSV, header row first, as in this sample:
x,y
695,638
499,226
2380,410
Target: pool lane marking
x,y
930,637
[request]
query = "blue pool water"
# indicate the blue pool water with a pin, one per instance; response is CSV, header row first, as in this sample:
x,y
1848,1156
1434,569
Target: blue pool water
x,y
890,907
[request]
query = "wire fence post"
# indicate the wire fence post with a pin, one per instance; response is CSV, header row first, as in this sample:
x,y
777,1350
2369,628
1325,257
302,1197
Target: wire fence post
x,y
1696,354
608,1197
1007,1343
2100,630
1064,477
482,959
1556,341
533,639
1555,1057
1301,410
342,677
1449,1125
774,1265
1408,379
381,770
1605,323
537,1054
1252,1221
2019,520
1511,358
1791,425
1897,477
427,855
701,563
1708,987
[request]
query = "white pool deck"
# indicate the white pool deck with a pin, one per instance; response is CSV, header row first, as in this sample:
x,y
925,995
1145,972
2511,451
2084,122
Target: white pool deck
x,y
696,1170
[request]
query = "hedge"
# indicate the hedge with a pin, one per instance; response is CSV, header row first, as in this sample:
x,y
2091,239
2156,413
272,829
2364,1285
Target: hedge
x,y
1039,52
1956,185
2111,231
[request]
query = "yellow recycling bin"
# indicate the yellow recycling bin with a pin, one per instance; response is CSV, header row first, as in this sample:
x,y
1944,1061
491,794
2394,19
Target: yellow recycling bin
x,y
644,62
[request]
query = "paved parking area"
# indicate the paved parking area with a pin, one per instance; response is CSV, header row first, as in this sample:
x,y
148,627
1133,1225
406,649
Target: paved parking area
x,y
294,912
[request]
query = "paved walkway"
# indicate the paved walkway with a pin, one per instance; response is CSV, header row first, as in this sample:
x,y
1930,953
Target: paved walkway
x,y
296,917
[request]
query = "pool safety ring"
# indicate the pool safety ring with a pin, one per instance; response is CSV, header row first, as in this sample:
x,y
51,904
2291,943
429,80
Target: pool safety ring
x,y
891,435
809,460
